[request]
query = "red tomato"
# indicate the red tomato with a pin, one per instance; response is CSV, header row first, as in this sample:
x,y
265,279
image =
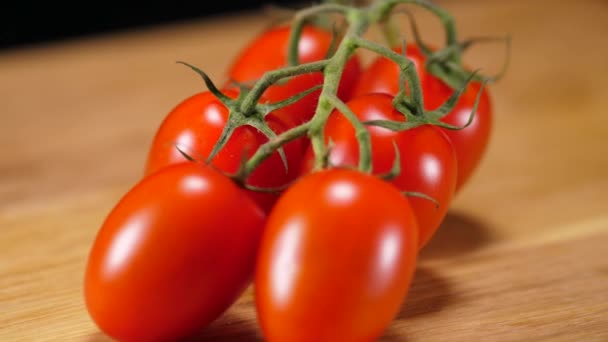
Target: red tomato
x,y
428,161
470,143
197,123
268,51
171,256
335,262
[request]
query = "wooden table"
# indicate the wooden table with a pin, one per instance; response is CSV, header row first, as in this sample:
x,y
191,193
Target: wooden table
x,y
522,255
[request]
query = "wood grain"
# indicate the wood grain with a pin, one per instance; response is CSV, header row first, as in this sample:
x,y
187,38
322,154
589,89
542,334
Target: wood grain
x,y
520,257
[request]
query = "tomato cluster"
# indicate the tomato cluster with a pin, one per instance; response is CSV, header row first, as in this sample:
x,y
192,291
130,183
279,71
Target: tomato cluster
x,y
331,256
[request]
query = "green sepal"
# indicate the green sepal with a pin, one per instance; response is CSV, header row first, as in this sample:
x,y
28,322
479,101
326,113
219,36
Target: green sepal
x,y
396,126
229,128
210,85
275,190
423,196
454,67
471,116
396,168
443,63
445,54
184,154
453,77
451,102
262,126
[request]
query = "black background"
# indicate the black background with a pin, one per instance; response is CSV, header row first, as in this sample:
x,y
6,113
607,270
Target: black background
x,y
33,22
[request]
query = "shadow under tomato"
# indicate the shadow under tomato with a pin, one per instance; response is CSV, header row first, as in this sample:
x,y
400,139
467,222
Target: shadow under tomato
x,y
392,336
429,293
458,234
229,327
98,337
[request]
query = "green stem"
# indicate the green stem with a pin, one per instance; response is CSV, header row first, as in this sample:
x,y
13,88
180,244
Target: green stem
x,y
267,149
406,66
271,77
384,7
332,68
359,21
361,133
298,25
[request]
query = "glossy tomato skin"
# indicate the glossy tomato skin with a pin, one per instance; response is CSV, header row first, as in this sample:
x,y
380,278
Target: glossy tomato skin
x,y
196,124
336,259
470,143
427,158
171,257
269,51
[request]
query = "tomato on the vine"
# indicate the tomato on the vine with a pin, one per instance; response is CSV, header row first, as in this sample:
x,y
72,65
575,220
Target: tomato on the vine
x,y
269,51
335,262
427,159
196,124
470,143
172,255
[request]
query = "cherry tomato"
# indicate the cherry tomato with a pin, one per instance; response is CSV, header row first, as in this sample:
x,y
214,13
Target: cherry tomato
x,y
197,123
335,262
470,143
269,50
172,256
427,158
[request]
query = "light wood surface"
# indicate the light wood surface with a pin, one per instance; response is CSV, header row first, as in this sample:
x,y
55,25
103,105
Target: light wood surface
x,y
522,255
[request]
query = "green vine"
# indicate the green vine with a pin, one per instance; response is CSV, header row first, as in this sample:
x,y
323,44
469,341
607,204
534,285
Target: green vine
x,y
247,109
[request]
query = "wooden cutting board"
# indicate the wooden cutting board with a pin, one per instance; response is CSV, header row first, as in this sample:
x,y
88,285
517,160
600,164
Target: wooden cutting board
x,y
522,255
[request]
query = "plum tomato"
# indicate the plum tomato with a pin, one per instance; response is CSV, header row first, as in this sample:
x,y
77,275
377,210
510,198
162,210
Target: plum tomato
x,y
336,259
427,158
171,255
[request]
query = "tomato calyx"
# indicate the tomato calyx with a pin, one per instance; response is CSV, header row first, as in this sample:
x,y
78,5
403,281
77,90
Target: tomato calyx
x,y
423,196
445,63
396,168
250,115
433,117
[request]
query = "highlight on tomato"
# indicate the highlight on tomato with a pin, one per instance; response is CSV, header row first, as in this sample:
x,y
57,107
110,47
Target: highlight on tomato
x,y
171,255
336,259
427,158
